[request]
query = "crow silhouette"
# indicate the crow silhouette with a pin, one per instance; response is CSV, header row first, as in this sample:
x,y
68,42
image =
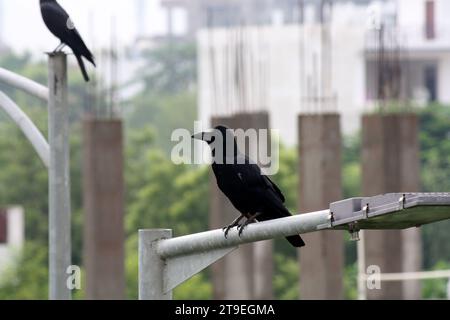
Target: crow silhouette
x,y
59,23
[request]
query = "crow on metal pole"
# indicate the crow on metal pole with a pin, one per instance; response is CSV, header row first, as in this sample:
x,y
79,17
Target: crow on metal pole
x,y
59,23
252,193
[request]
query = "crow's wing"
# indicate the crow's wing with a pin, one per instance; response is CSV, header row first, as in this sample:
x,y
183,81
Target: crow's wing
x,y
275,188
55,18
248,171
269,196
255,178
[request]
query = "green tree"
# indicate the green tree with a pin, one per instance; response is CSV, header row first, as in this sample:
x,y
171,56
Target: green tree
x,y
435,163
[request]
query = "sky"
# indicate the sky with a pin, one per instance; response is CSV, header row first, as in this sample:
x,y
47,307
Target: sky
x,y
23,29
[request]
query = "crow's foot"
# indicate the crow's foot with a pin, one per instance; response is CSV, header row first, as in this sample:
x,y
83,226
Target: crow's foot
x,y
226,230
250,220
235,223
59,48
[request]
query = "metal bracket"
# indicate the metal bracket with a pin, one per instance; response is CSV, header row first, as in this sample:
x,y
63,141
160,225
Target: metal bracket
x,y
181,268
354,232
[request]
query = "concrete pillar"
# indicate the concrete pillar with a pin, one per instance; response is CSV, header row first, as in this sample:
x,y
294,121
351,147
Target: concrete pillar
x,y
262,251
103,194
322,260
390,163
246,273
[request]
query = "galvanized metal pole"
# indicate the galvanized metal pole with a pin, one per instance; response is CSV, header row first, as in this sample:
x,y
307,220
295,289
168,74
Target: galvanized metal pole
x,y
361,257
212,240
151,265
59,178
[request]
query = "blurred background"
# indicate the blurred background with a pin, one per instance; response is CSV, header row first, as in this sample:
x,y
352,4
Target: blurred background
x,y
358,89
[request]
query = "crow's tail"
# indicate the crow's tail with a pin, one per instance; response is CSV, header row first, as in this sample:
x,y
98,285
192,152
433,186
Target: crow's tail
x,y
275,209
82,67
296,241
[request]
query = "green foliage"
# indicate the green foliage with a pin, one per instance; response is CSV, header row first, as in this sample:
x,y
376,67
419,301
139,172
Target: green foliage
x,y
197,288
435,148
351,282
435,162
164,113
30,280
436,288
169,69
286,277
351,167
168,100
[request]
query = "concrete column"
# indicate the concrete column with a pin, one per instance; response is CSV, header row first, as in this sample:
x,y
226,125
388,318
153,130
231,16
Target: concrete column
x,y
322,260
390,163
103,186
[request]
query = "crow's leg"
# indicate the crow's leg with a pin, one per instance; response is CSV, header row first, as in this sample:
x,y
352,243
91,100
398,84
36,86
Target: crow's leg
x,y
232,225
249,220
59,47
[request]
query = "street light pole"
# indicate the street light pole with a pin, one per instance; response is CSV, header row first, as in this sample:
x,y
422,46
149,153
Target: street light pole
x,y
59,178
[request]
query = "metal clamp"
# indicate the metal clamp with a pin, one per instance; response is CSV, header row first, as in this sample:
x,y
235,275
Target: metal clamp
x,y
365,211
402,202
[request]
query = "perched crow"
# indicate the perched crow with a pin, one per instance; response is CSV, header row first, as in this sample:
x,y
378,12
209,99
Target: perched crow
x,y
253,194
59,23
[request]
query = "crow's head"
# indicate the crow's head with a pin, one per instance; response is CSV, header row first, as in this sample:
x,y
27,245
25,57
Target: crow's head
x,y
220,132
221,140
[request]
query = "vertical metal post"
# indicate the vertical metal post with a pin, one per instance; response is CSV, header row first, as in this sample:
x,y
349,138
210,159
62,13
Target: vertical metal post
x,y
151,266
59,179
361,257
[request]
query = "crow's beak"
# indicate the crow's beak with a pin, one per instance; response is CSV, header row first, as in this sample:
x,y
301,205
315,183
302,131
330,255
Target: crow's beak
x,y
204,136
198,136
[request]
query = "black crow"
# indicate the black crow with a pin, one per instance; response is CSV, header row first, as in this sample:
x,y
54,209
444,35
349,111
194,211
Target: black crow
x,y
59,23
252,193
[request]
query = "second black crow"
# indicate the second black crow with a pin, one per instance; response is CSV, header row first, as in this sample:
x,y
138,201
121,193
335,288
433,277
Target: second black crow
x,y
59,23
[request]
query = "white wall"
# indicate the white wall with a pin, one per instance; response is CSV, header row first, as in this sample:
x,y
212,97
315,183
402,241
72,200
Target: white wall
x,y
444,79
16,238
411,13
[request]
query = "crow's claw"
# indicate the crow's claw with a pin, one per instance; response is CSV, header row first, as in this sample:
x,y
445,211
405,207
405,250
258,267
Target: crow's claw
x,y
241,229
226,230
